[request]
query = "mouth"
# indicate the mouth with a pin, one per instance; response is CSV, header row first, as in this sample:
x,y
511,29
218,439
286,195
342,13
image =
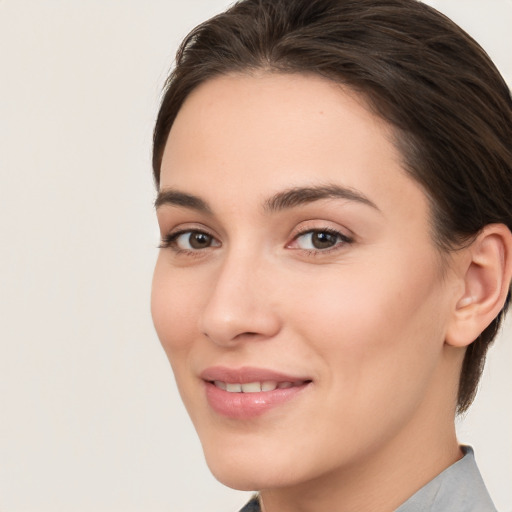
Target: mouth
x,y
246,393
256,387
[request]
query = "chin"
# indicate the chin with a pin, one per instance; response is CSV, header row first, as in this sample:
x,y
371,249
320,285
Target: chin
x,y
242,473
249,472
250,479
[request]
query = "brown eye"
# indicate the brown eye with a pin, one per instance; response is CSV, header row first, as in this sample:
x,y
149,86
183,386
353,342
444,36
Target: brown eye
x,y
323,239
190,240
320,240
198,240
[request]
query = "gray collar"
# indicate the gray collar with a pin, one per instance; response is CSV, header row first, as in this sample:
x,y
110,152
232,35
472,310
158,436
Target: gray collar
x,y
459,488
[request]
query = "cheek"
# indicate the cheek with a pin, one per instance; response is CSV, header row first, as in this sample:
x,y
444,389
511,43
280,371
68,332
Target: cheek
x,y
377,329
174,307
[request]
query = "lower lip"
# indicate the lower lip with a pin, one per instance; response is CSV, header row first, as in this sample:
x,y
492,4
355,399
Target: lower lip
x,y
248,405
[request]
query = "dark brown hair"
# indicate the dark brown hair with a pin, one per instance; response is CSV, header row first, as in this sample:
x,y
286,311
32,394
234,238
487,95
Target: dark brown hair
x,y
450,108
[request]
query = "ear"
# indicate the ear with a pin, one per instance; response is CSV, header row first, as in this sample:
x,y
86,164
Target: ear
x,y
486,273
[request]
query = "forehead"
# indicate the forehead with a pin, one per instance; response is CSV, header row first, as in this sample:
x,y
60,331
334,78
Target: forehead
x,y
252,135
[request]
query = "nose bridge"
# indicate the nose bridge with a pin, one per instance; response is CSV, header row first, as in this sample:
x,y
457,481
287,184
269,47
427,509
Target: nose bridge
x,y
237,303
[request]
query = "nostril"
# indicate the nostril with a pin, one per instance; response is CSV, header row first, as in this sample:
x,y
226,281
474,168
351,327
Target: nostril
x,y
245,335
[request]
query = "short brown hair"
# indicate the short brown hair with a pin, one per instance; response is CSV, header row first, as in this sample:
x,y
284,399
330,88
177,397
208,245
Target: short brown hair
x,y
450,108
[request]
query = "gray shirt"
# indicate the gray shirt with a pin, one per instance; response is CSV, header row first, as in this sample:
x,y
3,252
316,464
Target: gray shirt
x,y
459,488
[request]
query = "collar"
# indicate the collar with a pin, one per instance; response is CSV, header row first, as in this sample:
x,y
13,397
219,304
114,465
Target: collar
x,y
459,488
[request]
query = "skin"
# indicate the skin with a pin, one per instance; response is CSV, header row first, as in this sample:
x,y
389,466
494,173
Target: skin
x,y
365,319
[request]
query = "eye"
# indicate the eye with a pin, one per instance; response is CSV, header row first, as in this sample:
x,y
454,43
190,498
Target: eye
x,y
319,240
190,240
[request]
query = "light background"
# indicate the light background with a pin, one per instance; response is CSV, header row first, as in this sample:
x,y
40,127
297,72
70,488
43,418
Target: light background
x,y
89,417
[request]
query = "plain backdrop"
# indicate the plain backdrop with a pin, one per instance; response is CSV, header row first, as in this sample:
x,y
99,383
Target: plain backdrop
x,y
89,416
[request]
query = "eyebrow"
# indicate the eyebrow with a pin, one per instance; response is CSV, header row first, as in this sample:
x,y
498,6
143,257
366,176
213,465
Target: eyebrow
x,y
173,197
284,200
303,195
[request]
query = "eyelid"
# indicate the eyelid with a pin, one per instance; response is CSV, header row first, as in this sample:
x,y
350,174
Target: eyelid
x,y
310,228
307,226
168,240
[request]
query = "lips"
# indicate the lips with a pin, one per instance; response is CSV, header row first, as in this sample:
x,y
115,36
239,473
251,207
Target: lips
x,y
245,393
255,387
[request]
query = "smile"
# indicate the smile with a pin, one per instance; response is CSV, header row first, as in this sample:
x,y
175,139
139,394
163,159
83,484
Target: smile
x,y
255,387
246,393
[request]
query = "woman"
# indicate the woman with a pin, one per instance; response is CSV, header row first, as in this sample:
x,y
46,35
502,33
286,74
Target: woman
x,y
335,203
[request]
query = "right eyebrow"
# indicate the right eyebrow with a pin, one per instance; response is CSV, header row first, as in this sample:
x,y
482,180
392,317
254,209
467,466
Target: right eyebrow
x,y
297,196
172,197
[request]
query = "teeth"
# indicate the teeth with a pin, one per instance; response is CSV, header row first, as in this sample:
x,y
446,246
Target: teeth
x,y
268,385
251,387
255,387
220,384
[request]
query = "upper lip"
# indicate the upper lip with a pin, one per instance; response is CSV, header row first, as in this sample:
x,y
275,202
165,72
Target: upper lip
x,y
247,374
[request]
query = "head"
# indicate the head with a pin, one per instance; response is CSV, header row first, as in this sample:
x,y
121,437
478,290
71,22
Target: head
x,y
450,109
437,112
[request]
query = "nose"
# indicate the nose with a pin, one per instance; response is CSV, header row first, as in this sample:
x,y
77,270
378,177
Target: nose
x,y
240,306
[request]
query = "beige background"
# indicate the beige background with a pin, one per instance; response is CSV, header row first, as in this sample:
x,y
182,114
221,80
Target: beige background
x,y
89,417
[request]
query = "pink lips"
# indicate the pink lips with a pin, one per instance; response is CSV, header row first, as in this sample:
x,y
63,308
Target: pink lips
x,y
277,389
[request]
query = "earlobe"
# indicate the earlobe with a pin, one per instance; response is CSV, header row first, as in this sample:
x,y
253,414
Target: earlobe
x,y
487,273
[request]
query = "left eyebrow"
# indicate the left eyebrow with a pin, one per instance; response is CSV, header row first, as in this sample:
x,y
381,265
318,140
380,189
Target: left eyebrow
x,y
298,196
177,198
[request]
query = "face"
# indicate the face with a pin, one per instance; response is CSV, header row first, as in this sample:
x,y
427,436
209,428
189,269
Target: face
x,y
298,294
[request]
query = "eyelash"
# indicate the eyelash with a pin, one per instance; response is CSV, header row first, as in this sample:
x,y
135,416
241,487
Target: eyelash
x,y
342,240
170,241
